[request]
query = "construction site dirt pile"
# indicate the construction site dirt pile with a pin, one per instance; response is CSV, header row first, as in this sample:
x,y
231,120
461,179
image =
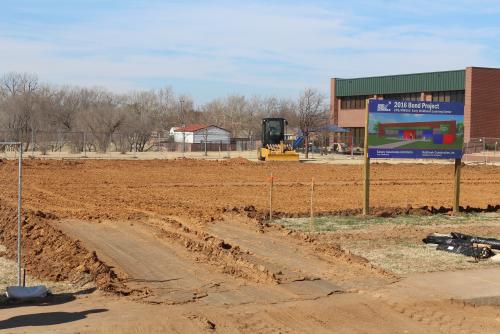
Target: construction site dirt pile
x,y
49,254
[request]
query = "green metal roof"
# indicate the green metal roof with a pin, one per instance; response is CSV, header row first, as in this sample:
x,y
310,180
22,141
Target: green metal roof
x,y
404,83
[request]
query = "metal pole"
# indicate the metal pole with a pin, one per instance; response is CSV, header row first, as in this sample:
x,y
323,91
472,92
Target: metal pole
x,y
484,149
32,142
19,202
159,142
183,119
135,150
351,143
84,145
466,151
205,140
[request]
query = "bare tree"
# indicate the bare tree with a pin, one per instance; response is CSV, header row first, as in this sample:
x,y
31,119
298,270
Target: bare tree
x,y
14,83
140,119
214,113
57,116
242,116
310,112
104,115
166,108
19,104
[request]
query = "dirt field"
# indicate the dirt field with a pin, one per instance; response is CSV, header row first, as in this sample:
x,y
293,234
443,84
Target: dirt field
x,y
200,189
184,246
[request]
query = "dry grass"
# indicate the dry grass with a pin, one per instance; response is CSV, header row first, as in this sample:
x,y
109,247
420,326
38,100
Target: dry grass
x,y
395,243
8,277
408,257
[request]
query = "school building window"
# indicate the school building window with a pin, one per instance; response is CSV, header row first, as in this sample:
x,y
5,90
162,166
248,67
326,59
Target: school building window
x,y
449,96
358,136
403,97
353,102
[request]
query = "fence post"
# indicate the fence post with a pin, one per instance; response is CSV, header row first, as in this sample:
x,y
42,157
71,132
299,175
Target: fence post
x,y
183,143
19,212
271,184
466,151
484,149
32,142
158,143
312,202
456,200
366,169
84,145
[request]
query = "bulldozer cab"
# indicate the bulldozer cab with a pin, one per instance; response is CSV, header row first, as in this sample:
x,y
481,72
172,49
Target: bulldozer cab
x,y
273,146
273,131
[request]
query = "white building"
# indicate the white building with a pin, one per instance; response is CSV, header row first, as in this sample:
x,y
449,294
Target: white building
x,y
199,133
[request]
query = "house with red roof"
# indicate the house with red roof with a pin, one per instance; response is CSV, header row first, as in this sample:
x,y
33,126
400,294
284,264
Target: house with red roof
x,y
200,133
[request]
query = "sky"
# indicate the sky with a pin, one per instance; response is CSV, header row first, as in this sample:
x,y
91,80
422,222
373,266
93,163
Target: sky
x,y
209,49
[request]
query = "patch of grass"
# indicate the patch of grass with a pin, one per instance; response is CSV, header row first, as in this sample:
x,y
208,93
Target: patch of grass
x,y
401,252
342,223
405,258
375,140
457,145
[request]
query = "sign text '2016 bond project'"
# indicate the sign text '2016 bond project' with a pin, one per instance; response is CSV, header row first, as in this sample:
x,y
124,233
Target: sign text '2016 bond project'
x,y
415,129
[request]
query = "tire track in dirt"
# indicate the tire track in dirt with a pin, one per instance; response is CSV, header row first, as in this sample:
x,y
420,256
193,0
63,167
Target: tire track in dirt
x,y
191,271
440,316
295,259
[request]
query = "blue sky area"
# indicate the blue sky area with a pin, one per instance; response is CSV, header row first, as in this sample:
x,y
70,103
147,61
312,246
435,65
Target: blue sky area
x,y
209,49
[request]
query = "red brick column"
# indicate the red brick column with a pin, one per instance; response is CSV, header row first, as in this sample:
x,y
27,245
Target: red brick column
x,y
467,104
482,102
334,103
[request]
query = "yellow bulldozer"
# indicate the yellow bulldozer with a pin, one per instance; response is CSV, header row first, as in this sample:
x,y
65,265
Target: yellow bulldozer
x,y
273,146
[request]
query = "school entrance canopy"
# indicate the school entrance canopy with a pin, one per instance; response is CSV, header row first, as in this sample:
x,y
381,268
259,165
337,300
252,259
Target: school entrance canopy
x,y
332,128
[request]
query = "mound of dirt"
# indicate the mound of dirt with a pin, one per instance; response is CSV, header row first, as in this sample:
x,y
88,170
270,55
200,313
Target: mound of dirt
x,y
330,250
49,254
229,258
236,162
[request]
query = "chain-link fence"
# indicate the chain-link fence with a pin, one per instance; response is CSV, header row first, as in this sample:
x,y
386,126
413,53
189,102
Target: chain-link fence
x,y
482,149
38,142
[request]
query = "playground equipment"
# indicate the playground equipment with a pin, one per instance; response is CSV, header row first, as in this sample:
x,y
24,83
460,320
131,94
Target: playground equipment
x,y
274,147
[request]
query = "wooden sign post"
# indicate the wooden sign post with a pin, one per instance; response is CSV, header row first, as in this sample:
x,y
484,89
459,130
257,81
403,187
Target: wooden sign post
x,y
366,168
456,199
312,203
271,183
